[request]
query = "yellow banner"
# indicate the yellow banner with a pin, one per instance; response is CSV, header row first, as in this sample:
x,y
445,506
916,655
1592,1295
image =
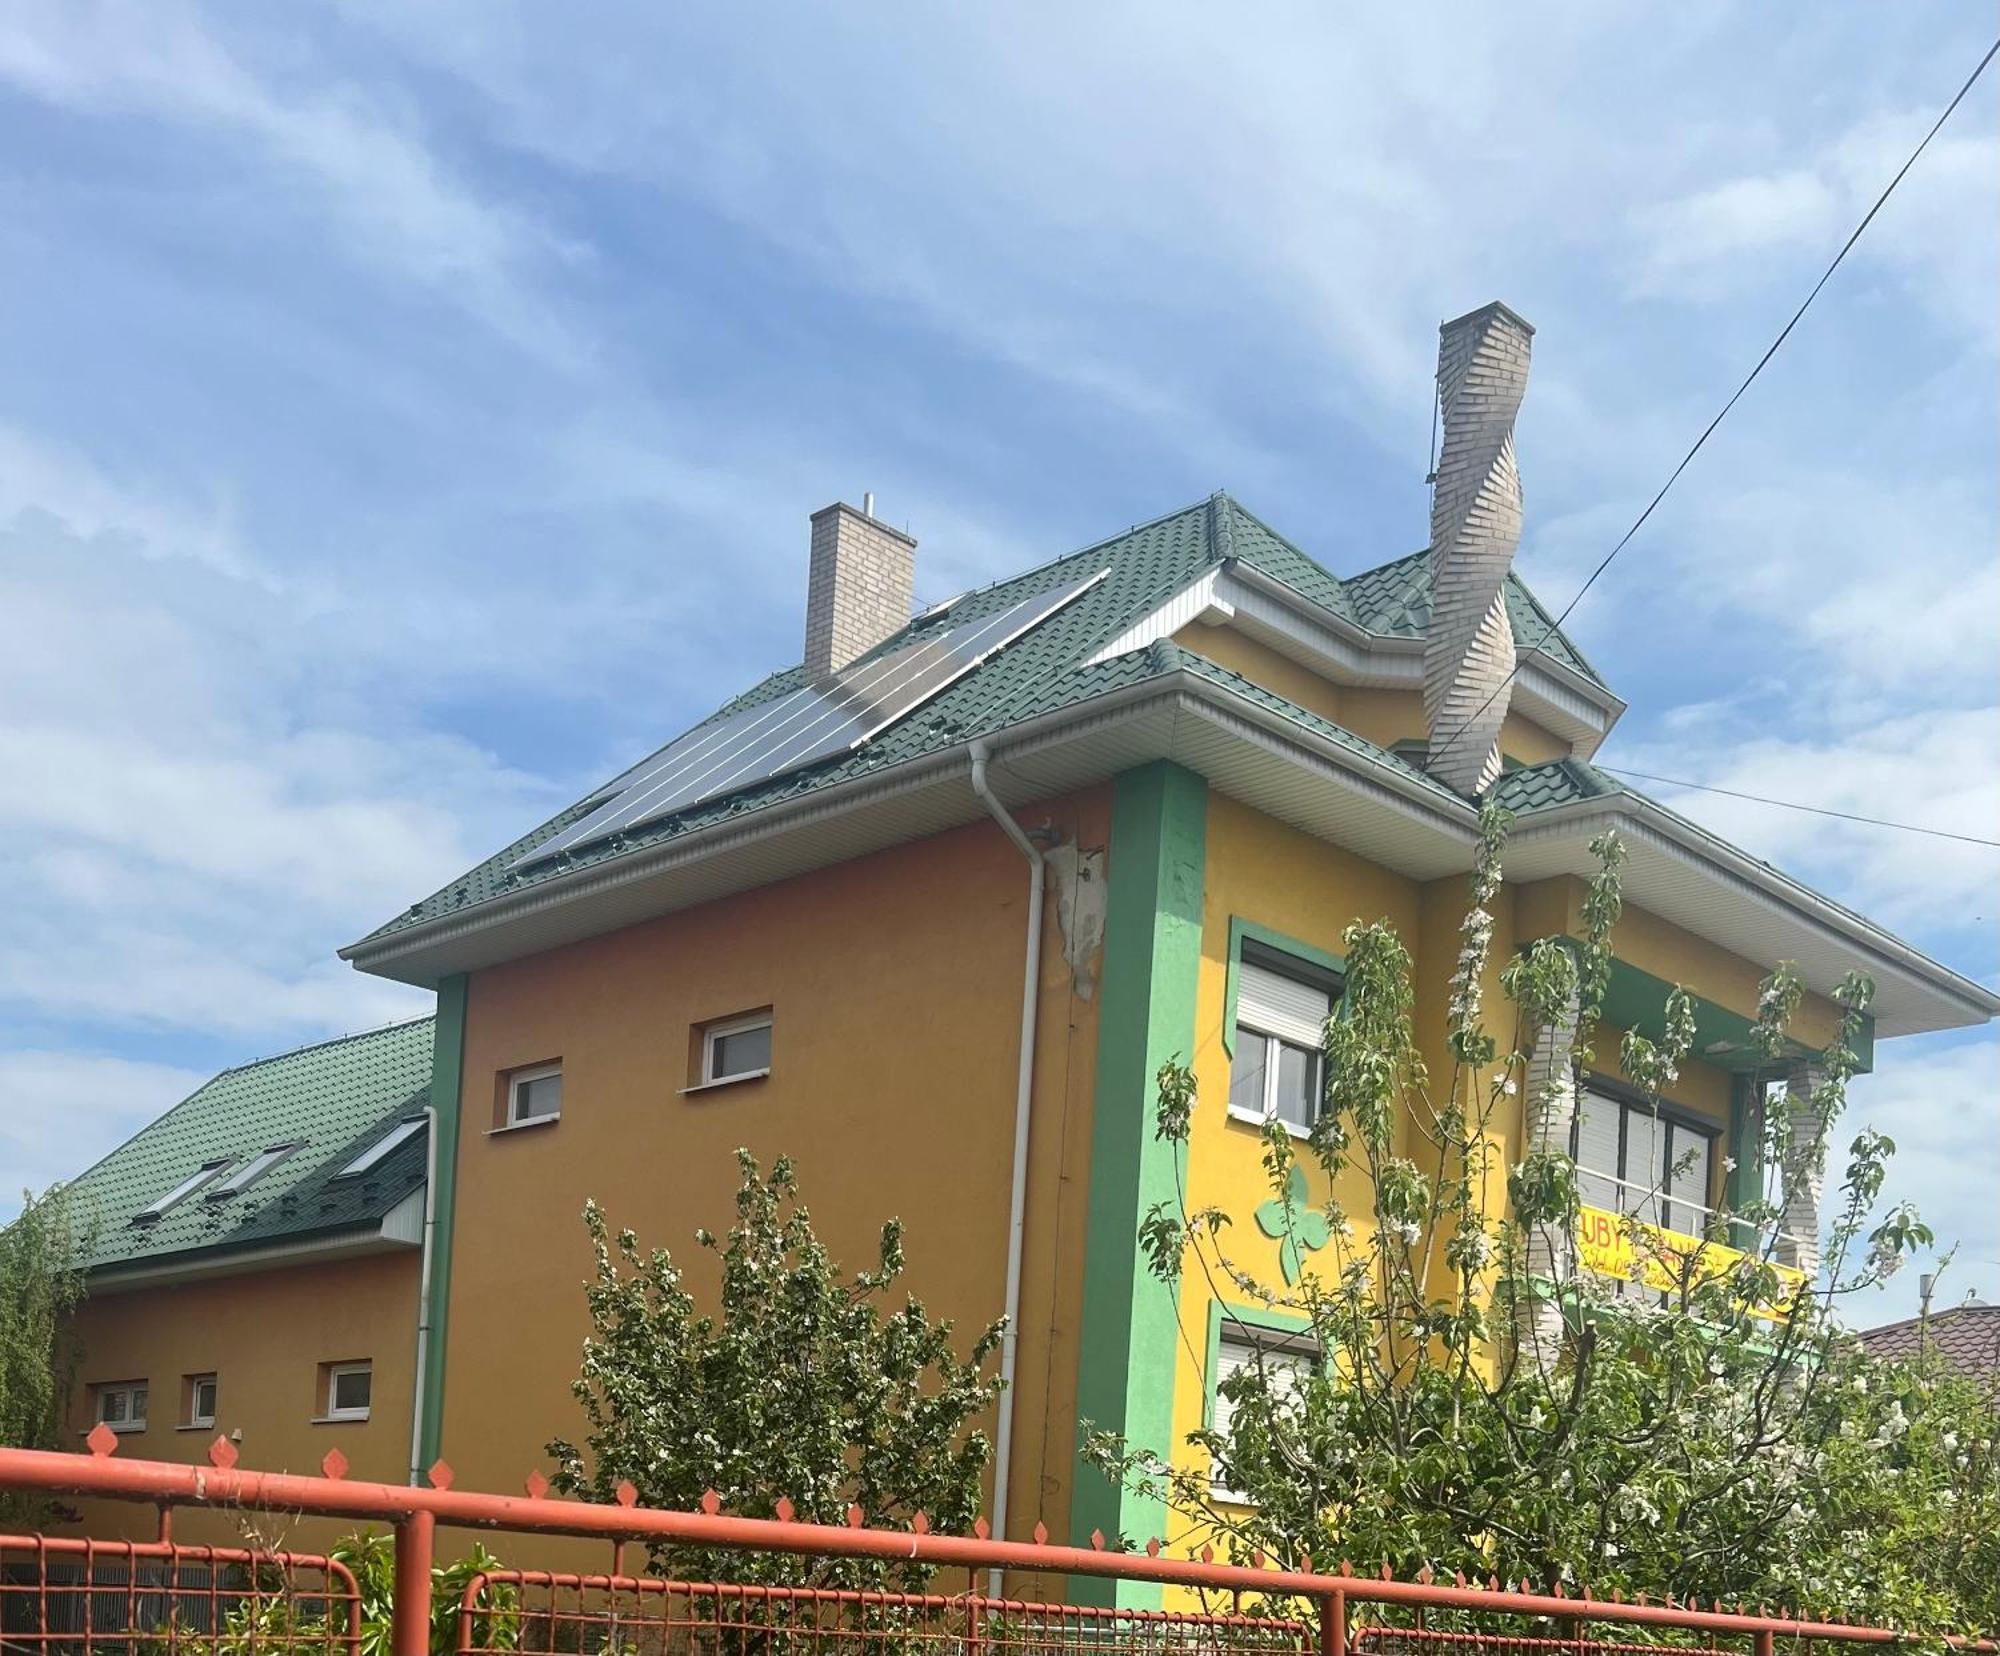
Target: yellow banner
x,y
1606,1245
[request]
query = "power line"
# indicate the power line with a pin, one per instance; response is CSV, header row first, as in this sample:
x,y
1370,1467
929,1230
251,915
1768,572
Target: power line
x,y
1709,430
1794,805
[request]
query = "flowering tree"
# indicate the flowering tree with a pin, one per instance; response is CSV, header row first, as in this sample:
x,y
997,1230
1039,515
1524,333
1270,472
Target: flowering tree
x,y
808,1387
1483,1405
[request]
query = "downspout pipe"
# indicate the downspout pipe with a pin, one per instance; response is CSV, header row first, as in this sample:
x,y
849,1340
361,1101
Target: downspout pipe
x,y
424,1295
1024,1090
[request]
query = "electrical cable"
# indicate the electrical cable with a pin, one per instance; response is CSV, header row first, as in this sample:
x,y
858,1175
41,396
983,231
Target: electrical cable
x,y
1794,805
1709,430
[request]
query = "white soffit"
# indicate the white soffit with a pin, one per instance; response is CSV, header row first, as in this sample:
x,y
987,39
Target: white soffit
x,y
1738,908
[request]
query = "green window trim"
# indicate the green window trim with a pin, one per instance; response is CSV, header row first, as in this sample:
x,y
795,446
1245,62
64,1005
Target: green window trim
x,y
1242,930
1260,1317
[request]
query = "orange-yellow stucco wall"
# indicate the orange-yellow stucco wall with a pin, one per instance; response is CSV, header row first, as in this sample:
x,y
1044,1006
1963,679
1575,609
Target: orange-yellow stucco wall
x,y
264,1335
895,986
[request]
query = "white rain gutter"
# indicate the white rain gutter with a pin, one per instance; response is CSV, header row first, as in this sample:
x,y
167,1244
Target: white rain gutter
x,y
1024,1090
424,1295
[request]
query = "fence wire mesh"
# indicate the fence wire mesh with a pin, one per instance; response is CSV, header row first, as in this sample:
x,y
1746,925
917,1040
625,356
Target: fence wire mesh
x,y
1418,1640
71,1596
608,1615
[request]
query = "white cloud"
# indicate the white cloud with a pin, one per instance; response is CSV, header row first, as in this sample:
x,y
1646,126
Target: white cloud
x,y
1939,1099
397,201
68,1109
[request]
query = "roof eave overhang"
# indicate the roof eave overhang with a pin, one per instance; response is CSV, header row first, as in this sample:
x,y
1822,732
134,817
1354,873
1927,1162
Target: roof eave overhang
x,y
1710,888
1243,747
385,1235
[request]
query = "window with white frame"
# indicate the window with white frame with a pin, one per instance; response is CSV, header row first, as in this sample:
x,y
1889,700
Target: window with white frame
x,y
152,1211
243,1177
1647,1160
382,1148
201,1398
348,1389
1287,1360
1278,1069
736,1049
121,1405
534,1095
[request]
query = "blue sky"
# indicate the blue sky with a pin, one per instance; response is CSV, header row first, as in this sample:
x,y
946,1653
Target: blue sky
x,y
408,415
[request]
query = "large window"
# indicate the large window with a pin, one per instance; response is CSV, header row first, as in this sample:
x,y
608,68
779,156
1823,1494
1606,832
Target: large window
x,y
1653,1162
1287,1360
1278,1069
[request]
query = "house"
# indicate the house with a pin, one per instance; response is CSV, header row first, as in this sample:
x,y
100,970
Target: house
x,y
929,911
254,1269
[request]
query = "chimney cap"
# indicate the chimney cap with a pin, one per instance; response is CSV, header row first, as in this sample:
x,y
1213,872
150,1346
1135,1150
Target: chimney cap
x,y
1492,307
872,522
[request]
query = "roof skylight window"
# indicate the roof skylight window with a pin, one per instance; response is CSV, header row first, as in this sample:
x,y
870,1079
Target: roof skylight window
x,y
249,1173
379,1151
151,1213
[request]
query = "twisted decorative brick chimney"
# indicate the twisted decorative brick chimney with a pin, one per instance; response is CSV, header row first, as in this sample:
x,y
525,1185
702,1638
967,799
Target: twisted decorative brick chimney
x,y
1475,527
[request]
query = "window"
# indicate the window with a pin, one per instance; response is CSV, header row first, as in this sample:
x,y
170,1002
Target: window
x,y
150,1214
1654,1164
121,1405
377,1152
348,1387
249,1173
1278,1068
736,1049
533,1095
1287,1360
201,1396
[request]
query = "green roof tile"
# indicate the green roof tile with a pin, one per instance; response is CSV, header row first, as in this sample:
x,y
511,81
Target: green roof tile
x,y
332,1100
1040,672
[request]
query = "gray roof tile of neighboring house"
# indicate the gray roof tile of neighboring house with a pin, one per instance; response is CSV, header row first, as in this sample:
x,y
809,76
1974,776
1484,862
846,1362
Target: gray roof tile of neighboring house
x,y
1039,672
331,1100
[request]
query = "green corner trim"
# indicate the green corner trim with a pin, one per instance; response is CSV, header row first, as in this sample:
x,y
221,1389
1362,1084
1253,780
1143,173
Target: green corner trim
x,y
1744,1183
1249,1316
1152,971
447,1085
1239,929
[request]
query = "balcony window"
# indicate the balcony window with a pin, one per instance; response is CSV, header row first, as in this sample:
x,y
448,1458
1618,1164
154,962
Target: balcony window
x,y
1650,1161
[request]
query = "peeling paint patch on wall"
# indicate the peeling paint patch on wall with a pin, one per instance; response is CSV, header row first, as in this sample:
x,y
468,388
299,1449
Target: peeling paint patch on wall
x,y
1078,877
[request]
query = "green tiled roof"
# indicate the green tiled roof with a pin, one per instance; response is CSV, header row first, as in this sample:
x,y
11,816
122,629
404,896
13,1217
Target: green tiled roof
x,y
1530,788
332,1100
1040,672
1395,600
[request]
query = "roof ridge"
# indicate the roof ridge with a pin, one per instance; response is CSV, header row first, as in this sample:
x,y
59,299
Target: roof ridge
x,y
310,1046
1554,626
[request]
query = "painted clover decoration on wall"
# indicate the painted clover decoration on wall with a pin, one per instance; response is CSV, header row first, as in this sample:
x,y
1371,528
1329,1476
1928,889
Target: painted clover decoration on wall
x,y
1299,1228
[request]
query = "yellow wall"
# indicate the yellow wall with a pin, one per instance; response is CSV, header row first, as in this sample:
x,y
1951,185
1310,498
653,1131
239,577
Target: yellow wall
x,y
1384,717
264,1335
895,983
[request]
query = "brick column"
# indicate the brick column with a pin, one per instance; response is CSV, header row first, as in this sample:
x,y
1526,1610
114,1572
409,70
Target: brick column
x,y
1548,1116
1802,1174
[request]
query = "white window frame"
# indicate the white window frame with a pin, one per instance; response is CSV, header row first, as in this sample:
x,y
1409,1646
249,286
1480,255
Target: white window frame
x,y
378,1152
130,1390
1271,1343
1592,1089
334,1372
243,1177
1246,1019
713,1034
154,1211
516,1081
195,1417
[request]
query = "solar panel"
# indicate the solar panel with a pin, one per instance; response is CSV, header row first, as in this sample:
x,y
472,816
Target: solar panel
x,y
805,725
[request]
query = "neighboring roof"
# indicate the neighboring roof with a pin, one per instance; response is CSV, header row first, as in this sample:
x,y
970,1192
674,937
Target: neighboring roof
x,y
1966,1336
332,1100
1040,672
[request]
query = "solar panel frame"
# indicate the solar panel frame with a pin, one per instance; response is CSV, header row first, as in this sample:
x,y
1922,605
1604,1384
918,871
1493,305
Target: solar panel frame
x,y
805,725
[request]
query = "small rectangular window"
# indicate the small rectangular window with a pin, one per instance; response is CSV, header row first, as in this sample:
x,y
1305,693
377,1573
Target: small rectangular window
x,y
151,1213
1287,1360
534,1094
201,1397
248,1174
377,1152
736,1049
1278,1069
348,1390
121,1405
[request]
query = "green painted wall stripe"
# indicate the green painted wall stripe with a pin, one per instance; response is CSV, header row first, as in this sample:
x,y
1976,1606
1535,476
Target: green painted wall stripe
x,y
1152,969
1239,929
447,1081
1745,1184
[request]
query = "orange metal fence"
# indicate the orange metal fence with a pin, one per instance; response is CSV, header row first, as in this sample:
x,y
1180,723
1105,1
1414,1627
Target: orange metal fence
x,y
68,1596
1249,1609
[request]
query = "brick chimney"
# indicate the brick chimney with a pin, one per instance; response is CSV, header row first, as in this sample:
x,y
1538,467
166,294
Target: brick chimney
x,y
1475,527
860,587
